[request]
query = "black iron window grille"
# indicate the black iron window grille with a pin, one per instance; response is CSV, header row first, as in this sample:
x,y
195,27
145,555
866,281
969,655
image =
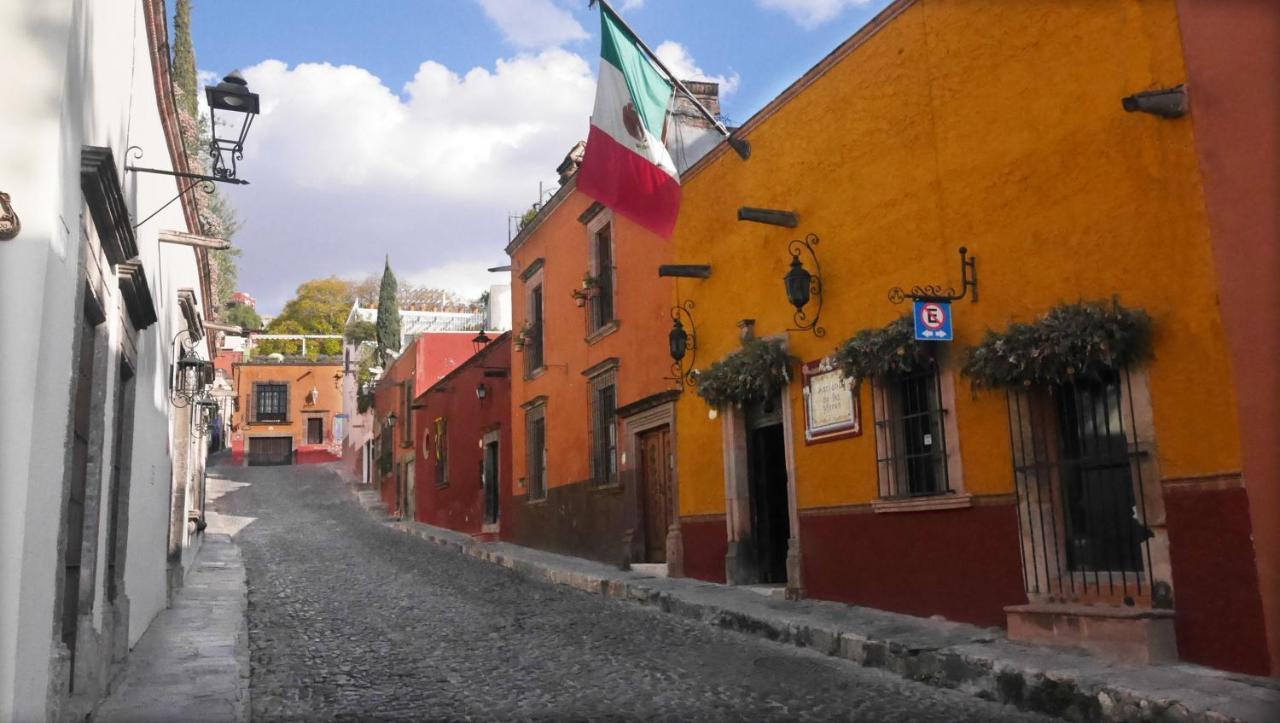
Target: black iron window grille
x,y
604,433
601,302
271,402
533,359
536,453
911,435
1078,471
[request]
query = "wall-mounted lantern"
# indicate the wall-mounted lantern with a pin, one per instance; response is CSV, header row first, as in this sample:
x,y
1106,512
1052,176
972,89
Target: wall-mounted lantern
x,y
205,413
231,111
680,342
802,286
191,374
392,419
480,341
482,392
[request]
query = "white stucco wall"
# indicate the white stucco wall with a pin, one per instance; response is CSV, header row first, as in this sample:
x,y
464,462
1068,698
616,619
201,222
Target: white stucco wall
x,y
82,75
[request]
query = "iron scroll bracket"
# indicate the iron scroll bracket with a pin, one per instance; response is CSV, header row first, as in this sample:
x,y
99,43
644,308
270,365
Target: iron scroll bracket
x,y
802,321
939,293
682,369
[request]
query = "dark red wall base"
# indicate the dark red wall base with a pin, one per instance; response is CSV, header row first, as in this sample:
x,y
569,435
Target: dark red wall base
x,y
1219,607
705,544
962,564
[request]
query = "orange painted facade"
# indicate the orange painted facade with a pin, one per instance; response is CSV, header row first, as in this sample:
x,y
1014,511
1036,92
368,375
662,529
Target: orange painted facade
x,y
580,514
314,400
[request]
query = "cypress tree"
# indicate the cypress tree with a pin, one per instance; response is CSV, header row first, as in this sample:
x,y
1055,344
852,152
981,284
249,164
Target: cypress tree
x,y
388,313
184,59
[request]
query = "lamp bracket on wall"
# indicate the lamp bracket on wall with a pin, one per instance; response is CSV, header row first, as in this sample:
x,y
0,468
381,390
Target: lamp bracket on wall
x,y
938,293
803,287
682,344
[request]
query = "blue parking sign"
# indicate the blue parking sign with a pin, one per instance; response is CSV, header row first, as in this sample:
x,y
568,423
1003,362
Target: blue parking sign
x,y
933,320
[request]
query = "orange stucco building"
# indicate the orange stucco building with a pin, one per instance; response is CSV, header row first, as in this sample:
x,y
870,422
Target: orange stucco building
x,y
593,418
1001,129
286,411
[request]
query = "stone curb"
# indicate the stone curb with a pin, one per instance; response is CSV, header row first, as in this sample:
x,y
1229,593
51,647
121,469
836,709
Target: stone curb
x,y
977,661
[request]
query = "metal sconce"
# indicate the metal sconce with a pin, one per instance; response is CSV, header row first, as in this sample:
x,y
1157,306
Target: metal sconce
x,y
206,411
480,341
392,419
933,292
190,373
482,392
680,343
803,286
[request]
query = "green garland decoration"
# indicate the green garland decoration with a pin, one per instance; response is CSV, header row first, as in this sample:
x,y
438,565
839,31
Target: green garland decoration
x,y
1086,340
877,353
751,374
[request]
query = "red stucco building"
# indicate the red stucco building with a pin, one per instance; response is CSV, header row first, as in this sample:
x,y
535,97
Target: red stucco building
x,y
463,445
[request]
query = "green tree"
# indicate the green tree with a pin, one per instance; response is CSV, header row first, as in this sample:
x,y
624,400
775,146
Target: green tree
x,y
243,315
319,306
388,312
184,58
358,332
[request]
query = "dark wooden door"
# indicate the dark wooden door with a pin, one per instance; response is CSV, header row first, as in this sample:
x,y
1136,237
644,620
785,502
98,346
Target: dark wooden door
x,y
270,450
655,478
770,520
315,431
492,482
81,426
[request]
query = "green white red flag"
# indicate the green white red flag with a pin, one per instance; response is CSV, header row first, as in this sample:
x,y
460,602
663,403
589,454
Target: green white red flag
x,y
626,167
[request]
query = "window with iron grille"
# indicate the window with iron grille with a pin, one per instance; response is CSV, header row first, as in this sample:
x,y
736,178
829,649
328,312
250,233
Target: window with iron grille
x,y
271,402
911,435
536,452
533,344
604,431
406,413
601,303
1078,470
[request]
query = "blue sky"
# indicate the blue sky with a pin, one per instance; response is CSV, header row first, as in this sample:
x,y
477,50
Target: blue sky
x,y
414,127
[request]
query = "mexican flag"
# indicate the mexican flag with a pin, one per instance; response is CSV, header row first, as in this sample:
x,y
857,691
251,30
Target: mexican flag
x,y
626,167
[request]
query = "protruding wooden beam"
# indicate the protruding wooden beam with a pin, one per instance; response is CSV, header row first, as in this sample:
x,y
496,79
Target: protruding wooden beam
x,y
686,271
191,239
771,216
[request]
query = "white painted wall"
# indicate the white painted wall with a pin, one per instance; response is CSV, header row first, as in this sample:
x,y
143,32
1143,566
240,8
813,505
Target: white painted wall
x,y
81,75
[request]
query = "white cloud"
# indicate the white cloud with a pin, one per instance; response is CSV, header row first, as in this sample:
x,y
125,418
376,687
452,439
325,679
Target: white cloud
x,y
678,59
469,277
631,5
811,13
343,169
533,23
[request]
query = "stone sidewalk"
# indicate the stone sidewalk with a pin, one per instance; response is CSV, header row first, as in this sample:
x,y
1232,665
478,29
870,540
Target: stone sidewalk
x,y
192,664
979,661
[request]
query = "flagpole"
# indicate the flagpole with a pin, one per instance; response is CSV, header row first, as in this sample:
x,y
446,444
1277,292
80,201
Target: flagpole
x,y
741,145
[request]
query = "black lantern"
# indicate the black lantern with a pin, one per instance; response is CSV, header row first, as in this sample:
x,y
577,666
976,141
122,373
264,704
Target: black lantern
x,y
392,419
231,111
803,286
482,391
191,373
798,281
680,343
678,340
480,341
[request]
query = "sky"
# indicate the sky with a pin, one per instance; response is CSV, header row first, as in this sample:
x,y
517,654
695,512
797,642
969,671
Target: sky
x,y
413,129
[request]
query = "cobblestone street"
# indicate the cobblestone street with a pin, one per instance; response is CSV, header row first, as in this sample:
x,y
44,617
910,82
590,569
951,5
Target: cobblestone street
x,y
350,619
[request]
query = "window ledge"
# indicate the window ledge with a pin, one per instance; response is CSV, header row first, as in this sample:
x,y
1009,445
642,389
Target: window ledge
x,y
602,332
924,504
535,373
611,488
535,501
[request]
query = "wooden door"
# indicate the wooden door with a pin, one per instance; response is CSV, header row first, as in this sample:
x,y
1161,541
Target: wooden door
x,y
270,450
410,496
315,430
655,480
492,483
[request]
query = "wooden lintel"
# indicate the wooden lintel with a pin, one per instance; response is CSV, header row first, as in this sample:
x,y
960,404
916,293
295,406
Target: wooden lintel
x,y
686,271
771,216
191,239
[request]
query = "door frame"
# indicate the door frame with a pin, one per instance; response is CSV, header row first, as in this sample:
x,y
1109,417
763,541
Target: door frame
x,y
737,495
493,436
634,424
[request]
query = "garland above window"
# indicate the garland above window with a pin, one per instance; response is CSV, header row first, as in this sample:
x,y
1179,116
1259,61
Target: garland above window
x,y
753,373
877,353
1085,340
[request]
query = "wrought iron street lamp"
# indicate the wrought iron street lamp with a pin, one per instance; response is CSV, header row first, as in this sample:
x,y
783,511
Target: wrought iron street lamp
x,y
482,391
480,341
680,342
392,419
232,109
190,373
803,286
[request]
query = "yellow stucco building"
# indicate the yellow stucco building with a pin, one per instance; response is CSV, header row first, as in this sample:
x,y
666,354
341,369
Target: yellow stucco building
x,y
999,127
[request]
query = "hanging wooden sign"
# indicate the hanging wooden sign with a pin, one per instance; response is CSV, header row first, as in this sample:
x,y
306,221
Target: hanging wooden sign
x,y
831,409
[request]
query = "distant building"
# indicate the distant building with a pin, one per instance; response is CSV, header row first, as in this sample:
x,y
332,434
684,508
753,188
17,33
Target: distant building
x,y
287,411
244,299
